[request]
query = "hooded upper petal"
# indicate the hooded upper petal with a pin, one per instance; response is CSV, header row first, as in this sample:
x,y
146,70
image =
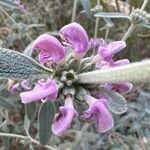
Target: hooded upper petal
x,y
50,48
120,87
63,120
98,112
107,51
43,89
76,36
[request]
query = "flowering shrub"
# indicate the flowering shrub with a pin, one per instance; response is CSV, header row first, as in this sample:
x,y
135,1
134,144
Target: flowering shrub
x,y
67,60
72,77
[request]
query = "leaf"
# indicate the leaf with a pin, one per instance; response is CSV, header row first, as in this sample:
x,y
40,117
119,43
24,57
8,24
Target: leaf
x,y
117,103
87,7
19,66
133,72
5,104
112,15
46,114
30,110
146,25
9,4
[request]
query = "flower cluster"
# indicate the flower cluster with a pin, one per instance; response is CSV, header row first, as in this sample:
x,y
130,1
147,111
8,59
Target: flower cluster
x,y
68,58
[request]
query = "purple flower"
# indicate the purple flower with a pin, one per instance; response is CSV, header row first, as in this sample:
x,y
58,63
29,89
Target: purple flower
x,y
64,118
75,35
107,51
120,87
99,113
96,42
25,85
43,89
20,6
50,49
15,88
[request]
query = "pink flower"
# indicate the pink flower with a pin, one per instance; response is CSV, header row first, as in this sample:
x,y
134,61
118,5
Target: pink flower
x,y
120,87
43,89
50,49
96,42
107,51
64,118
20,6
25,85
75,35
15,88
99,113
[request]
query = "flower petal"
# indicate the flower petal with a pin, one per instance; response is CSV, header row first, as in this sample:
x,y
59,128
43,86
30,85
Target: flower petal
x,y
101,114
50,48
63,120
75,35
15,88
120,87
108,51
25,85
41,90
121,62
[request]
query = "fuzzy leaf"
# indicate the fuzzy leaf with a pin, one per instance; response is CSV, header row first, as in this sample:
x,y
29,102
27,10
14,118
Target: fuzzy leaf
x,y
46,115
112,15
9,4
30,110
18,66
134,72
5,104
87,7
117,103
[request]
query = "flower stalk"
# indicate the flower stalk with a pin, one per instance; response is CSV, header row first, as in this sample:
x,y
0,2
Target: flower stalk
x,y
133,25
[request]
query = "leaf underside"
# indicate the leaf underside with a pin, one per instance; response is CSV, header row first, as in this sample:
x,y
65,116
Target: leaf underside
x,y
18,66
46,115
117,103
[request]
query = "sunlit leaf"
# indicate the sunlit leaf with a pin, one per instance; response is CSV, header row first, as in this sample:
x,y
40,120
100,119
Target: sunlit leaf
x,y
19,66
46,115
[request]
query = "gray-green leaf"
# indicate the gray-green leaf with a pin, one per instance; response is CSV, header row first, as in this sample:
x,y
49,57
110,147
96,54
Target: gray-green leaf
x,y
112,15
46,115
19,66
5,104
117,103
30,110
87,7
9,4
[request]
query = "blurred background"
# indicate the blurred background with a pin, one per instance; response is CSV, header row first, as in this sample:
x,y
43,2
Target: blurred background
x,y
20,25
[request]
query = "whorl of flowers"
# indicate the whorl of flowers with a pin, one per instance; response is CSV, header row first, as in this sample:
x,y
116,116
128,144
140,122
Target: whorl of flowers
x,y
75,54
